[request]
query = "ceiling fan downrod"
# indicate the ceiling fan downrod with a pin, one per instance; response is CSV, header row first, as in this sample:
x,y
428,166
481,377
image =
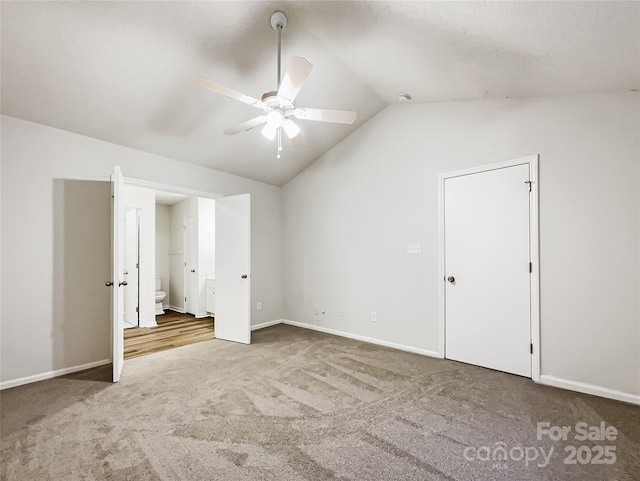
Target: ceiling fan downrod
x,y
279,23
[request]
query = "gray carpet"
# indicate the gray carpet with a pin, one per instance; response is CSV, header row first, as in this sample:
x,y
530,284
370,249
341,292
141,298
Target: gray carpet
x,y
301,405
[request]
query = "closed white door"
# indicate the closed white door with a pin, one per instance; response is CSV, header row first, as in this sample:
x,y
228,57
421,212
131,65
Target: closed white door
x,y
131,297
191,265
117,281
487,270
233,263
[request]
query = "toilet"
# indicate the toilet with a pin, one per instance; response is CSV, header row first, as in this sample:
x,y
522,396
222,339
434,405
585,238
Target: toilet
x,y
160,295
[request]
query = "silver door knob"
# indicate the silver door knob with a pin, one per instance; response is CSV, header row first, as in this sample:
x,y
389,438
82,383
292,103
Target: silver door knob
x,y
244,276
123,283
108,283
451,279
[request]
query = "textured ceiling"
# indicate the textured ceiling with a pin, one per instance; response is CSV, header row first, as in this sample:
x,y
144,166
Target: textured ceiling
x,y
123,71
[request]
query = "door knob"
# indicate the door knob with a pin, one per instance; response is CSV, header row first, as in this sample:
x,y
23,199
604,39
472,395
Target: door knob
x,y
451,279
193,270
123,283
108,283
244,276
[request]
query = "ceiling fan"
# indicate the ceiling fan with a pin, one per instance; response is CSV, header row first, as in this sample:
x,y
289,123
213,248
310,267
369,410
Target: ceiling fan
x,y
278,106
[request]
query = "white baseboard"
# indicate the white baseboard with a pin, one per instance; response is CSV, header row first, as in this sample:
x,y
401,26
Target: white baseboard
x,y
370,340
176,309
202,315
262,325
51,374
589,389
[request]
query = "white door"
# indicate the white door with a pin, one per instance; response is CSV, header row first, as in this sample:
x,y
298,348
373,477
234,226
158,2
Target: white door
x,y
487,293
233,274
117,269
191,265
131,298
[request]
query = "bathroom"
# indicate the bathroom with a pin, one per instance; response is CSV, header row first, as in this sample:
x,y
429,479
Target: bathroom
x,y
169,260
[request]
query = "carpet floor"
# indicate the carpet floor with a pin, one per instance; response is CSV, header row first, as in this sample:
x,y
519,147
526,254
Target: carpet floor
x,y
302,405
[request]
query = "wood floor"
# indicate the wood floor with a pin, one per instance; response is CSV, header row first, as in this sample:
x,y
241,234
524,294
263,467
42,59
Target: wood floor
x,y
174,330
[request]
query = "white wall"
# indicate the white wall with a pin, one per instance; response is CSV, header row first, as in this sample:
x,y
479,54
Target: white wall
x,y
348,217
162,249
144,200
56,238
206,249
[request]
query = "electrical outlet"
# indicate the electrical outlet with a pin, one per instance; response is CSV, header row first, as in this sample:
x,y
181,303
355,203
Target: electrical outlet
x,y
374,317
259,306
414,248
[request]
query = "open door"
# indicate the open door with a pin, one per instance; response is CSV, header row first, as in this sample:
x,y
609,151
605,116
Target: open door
x,y
233,274
117,270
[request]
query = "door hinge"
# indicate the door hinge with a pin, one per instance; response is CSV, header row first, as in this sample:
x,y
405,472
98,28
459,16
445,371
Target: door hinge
x,y
185,299
137,309
137,265
529,182
530,348
530,267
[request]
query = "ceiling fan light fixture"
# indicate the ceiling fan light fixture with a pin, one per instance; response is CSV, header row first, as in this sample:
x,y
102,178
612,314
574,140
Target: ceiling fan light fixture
x,y
290,128
269,131
275,118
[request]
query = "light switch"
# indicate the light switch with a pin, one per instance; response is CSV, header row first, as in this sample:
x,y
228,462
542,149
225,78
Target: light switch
x,y
414,248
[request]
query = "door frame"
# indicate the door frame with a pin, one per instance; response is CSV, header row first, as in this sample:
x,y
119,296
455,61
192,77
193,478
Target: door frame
x,y
534,253
147,184
174,189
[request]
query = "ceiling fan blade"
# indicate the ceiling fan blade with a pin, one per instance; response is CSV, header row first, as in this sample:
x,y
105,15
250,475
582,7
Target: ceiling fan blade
x,y
340,116
248,125
298,71
208,84
294,134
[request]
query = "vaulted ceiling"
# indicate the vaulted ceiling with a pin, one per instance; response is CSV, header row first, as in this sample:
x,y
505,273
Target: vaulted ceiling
x,y
123,71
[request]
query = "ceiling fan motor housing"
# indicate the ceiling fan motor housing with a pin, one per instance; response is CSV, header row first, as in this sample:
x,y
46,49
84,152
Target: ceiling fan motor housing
x,y
274,102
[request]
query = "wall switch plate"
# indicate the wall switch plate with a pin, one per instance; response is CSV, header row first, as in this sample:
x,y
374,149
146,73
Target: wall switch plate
x,y
259,306
414,248
374,317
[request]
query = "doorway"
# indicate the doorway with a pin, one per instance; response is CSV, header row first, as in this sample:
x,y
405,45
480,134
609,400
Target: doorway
x,y
232,241
489,266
